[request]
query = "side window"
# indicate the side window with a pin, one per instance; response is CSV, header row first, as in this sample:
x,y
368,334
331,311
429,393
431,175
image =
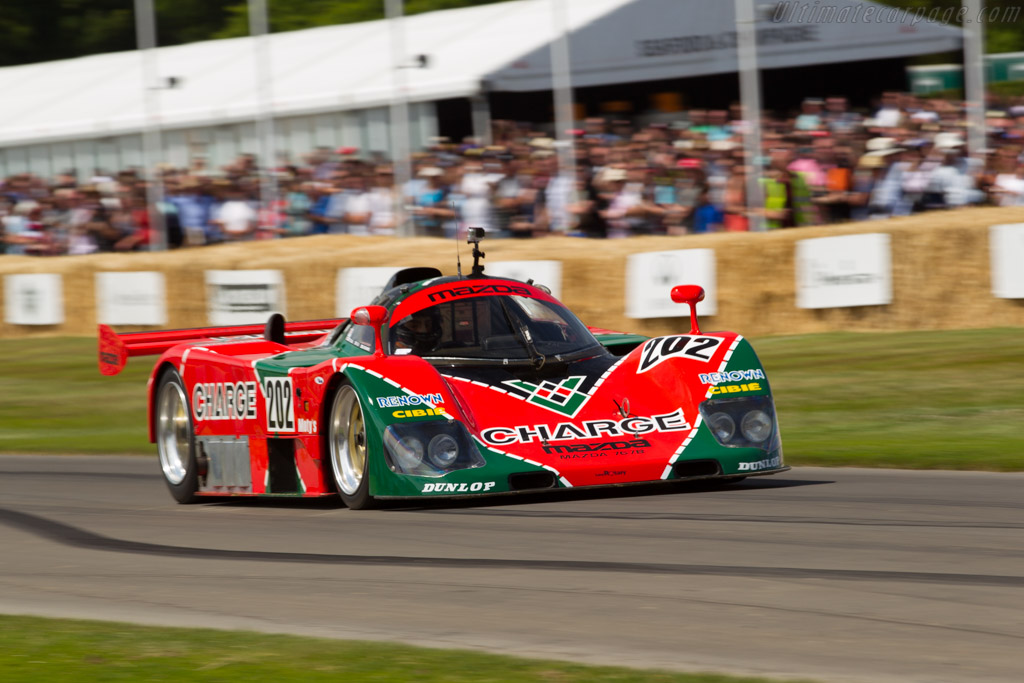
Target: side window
x,y
361,336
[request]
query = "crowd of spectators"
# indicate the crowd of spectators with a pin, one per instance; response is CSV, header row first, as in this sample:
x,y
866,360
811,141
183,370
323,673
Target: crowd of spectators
x,y
686,174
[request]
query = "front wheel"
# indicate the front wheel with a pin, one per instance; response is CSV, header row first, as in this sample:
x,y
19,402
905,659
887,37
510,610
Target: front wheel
x,y
348,448
175,439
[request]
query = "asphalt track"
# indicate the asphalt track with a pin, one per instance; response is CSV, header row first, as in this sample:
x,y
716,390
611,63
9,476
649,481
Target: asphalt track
x,y
827,574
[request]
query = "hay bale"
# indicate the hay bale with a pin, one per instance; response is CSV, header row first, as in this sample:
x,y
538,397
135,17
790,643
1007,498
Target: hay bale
x,y
941,275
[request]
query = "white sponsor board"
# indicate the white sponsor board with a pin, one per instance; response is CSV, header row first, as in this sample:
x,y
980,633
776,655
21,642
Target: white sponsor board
x,y
243,297
1007,246
849,270
358,287
650,278
546,273
33,299
131,298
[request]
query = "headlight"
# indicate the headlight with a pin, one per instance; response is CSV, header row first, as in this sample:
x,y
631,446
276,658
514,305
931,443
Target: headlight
x,y
756,426
755,416
430,449
723,427
443,451
407,451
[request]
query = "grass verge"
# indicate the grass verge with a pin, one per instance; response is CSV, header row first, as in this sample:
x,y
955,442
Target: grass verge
x,y
939,400
50,651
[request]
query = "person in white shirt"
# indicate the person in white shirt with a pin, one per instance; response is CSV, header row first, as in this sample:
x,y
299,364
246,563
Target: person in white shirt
x,y
381,197
236,217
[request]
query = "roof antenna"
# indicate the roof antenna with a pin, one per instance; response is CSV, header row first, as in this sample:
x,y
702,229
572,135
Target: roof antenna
x,y
458,260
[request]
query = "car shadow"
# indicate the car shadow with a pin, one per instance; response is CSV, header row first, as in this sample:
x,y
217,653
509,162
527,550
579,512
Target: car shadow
x,y
521,498
672,488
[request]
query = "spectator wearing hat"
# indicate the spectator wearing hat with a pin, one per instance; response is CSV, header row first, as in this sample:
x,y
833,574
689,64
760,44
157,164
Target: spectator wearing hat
x,y
887,195
430,210
625,204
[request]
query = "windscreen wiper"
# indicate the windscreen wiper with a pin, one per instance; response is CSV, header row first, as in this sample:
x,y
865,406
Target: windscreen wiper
x,y
522,333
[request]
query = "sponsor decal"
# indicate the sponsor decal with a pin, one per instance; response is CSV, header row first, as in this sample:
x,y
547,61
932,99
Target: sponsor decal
x,y
472,290
307,426
731,376
656,351
224,401
767,464
611,473
409,400
319,380
588,429
448,487
736,388
562,397
280,406
635,444
417,412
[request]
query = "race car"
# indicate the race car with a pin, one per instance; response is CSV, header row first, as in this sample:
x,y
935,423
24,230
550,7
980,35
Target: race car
x,y
448,387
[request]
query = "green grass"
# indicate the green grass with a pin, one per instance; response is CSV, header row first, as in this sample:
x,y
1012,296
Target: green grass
x,y
942,400
51,651
919,400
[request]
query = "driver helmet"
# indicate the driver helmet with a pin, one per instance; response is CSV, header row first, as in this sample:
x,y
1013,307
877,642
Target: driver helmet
x,y
420,331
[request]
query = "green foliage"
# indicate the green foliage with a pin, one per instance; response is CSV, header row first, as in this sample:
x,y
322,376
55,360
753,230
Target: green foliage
x,y
1003,23
1007,89
43,30
52,651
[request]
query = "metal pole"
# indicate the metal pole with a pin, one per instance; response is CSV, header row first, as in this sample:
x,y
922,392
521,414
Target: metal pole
x,y
399,116
152,144
561,85
750,100
974,79
258,29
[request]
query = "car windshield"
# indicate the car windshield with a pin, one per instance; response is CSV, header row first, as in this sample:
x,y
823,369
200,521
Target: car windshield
x,y
499,329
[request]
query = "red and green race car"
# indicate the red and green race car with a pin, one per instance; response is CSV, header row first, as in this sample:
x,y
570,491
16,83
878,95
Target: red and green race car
x,y
448,387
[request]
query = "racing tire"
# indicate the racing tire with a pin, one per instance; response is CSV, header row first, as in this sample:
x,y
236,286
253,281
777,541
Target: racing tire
x,y
175,438
348,448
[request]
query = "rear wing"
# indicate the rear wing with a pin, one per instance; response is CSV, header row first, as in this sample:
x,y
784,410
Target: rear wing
x,y
115,349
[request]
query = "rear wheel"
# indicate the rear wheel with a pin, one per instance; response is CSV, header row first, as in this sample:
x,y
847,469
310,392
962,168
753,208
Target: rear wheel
x,y
349,449
175,439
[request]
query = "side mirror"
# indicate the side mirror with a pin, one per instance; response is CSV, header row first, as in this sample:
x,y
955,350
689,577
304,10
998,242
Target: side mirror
x,y
375,317
689,294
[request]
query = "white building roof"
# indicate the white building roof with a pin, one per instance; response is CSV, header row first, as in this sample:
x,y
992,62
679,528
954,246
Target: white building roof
x,y
348,67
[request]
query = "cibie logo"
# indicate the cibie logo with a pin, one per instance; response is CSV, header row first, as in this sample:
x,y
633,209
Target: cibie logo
x,y
769,464
561,398
448,487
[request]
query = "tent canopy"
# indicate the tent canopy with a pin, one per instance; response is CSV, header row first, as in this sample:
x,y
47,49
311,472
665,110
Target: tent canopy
x,y
503,46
